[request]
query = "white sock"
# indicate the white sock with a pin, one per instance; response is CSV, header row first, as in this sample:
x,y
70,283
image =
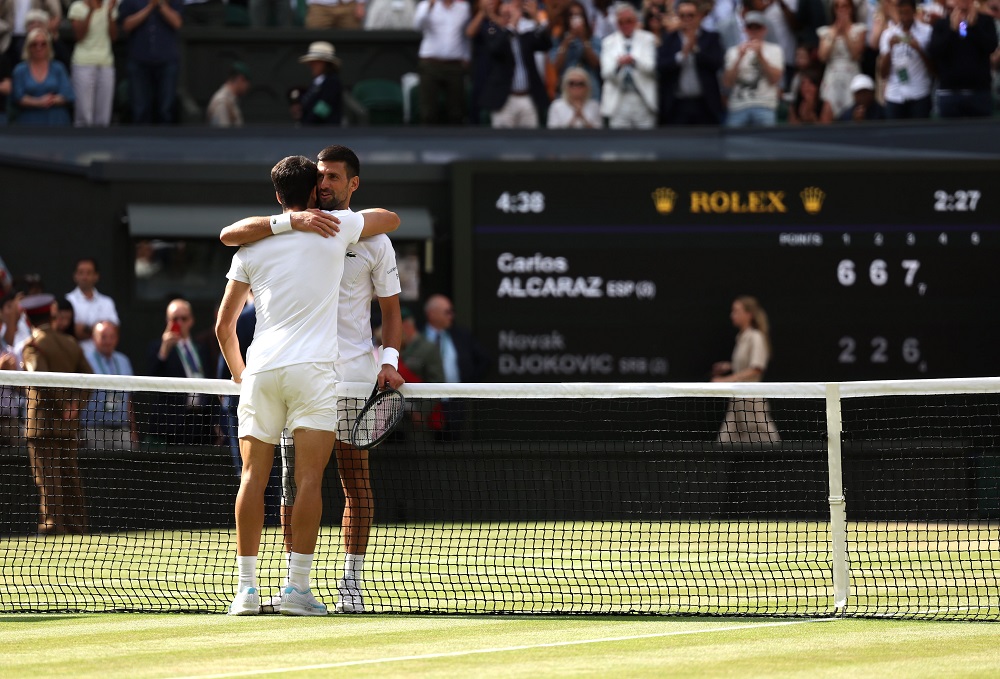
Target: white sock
x,y
353,565
299,566
247,566
288,563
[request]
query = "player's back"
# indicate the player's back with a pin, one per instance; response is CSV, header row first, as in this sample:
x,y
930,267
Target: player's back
x,y
295,278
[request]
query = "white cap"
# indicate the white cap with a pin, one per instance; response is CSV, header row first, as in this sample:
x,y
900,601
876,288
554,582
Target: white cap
x,y
862,82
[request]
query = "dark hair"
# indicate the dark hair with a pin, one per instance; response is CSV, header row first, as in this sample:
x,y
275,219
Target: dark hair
x,y
64,304
908,3
92,260
294,179
341,154
566,17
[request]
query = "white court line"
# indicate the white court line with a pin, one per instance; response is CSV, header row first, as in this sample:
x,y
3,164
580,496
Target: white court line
x,y
505,649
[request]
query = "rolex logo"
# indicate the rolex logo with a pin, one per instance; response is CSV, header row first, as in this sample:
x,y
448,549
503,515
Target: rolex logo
x,y
812,199
663,199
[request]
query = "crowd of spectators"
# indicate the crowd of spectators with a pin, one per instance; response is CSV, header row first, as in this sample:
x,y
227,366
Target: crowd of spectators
x,y
506,62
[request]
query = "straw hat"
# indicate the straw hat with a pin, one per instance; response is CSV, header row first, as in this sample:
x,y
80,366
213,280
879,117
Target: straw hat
x,y
320,51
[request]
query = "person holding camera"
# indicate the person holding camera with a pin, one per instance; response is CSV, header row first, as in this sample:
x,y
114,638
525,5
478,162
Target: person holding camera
x,y
576,47
905,65
152,27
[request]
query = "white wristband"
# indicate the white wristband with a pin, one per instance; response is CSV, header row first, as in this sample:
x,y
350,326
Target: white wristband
x,y
281,223
390,356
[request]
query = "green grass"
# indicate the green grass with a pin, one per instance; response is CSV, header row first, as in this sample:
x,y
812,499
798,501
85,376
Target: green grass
x,y
139,645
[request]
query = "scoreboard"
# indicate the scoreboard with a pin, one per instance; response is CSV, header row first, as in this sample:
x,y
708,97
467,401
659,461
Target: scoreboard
x,y
592,271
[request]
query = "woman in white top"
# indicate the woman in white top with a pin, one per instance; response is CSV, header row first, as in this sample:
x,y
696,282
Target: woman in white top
x,y
840,47
95,26
748,420
576,107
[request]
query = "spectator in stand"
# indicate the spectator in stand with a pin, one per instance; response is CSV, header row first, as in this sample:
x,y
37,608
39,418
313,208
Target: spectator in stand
x,y
52,422
95,27
224,107
462,358
783,30
811,16
880,17
389,15
89,305
444,58
419,356
336,14
840,47
577,47
65,318
803,61
628,71
40,18
961,46
753,75
865,106
576,107
808,108
152,27
182,418
905,65
14,328
109,421
689,61
486,22
515,93
6,25
17,14
40,87
323,102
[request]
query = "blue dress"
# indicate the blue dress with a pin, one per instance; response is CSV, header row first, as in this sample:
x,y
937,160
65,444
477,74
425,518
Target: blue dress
x,y
56,82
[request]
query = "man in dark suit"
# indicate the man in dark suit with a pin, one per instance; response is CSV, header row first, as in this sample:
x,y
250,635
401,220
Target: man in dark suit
x,y
514,91
52,422
688,62
181,418
462,357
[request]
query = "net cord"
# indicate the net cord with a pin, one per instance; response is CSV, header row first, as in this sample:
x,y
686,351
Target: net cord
x,y
838,503
800,390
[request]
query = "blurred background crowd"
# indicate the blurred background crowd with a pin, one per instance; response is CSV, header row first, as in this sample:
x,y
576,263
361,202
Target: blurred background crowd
x,y
520,63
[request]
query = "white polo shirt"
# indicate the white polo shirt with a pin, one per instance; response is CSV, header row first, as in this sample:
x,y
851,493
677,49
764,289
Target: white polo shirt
x,y
908,76
369,271
296,280
90,311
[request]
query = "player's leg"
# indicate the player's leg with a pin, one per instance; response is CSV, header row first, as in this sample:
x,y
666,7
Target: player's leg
x,y
313,448
287,456
352,463
257,459
261,416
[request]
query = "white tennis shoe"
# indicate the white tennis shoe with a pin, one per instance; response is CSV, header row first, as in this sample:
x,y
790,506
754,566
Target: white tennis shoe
x,y
349,597
246,602
295,602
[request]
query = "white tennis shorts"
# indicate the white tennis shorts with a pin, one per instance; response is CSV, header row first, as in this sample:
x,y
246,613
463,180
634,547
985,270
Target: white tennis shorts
x,y
365,369
297,396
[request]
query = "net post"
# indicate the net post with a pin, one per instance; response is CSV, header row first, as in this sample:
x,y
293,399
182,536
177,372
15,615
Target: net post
x,y
838,504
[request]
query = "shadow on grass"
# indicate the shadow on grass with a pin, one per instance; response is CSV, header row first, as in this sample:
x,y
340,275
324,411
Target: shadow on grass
x,y
47,617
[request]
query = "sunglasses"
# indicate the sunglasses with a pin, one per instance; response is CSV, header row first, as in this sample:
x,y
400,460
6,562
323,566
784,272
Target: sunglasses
x,y
687,15
576,83
37,44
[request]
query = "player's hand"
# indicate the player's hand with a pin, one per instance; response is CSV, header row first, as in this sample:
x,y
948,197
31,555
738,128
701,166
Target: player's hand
x,y
389,377
316,221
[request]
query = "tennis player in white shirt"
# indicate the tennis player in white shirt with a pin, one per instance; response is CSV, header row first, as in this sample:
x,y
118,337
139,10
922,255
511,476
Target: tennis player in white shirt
x,y
369,273
289,379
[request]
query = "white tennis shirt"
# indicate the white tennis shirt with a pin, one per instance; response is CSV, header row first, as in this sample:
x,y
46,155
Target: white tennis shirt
x,y
369,271
296,278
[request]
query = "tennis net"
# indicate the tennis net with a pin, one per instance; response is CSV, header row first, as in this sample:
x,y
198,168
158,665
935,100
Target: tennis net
x,y
798,499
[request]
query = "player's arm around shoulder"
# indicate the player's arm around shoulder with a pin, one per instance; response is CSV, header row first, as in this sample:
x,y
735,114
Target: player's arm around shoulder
x,y
378,220
252,229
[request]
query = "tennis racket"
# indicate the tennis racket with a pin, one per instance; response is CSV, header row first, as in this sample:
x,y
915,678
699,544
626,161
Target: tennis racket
x,y
381,414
